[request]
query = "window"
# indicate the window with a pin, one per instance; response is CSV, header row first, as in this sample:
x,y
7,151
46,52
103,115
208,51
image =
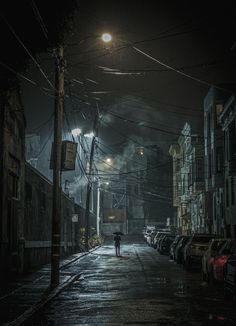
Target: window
x,y
218,110
13,186
41,199
227,193
190,175
232,141
199,169
219,159
226,145
28,192
208,124
209,166
232,191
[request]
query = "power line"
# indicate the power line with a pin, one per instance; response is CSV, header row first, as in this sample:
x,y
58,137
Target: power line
x,y
27,51
36,129
39,19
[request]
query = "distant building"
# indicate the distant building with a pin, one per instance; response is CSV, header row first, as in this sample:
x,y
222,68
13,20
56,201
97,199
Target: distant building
x,y
113,199
228,121
157,191
188,181
136,176
214,160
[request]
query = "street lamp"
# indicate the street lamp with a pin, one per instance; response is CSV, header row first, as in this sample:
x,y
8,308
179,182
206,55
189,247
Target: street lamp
x,y
106,37
76,132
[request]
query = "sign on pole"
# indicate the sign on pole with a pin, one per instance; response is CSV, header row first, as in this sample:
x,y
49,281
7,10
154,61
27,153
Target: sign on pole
x,y
75,218
68,155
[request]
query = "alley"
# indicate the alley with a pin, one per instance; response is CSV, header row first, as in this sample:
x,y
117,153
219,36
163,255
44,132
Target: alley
x,y
140,287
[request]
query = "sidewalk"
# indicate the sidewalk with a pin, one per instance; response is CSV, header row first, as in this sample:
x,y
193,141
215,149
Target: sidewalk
x,y
28,293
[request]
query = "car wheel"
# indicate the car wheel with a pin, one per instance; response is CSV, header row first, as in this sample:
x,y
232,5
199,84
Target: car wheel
x,y
204,275
187,264
227,294
212,279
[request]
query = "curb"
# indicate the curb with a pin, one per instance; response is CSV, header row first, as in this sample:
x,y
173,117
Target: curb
x,y
34,308
48,297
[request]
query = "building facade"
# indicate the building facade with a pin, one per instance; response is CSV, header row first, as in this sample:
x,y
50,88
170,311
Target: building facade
x,y
214,159
228,122
12,170
188,181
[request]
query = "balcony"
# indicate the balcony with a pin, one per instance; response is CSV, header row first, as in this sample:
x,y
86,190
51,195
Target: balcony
x,y
186,197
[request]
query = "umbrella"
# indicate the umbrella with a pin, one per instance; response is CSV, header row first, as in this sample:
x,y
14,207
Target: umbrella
x,y
118,233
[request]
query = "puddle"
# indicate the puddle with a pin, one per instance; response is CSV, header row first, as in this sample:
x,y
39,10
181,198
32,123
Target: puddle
x,y
181,293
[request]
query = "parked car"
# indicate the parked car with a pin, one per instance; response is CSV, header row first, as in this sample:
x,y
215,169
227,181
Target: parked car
x,y
195,248
157,237
208,257
150,237
148,231
165,243
173,245
160,239
179,250
220,260
230,275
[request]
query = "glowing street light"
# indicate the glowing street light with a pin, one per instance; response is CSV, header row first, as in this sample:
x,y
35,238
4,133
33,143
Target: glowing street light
x,y
106,37
108,160
89,135
76,132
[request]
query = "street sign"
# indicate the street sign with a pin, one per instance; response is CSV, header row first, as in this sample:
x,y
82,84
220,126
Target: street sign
x,y
68,155
75,218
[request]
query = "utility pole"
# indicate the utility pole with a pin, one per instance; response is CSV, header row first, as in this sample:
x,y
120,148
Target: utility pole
x,y
57,147
89,186
98,208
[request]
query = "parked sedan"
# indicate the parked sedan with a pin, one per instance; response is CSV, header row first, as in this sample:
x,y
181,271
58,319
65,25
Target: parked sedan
x,y
165,243
173,245
230,275
150,238
195,248
158,238
220,260
179,250
207,259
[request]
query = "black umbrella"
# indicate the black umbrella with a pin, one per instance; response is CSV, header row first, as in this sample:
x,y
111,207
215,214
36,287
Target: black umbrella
x,y
118,233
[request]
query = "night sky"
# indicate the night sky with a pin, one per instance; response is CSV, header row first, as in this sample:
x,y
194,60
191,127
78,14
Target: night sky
x,y
191,37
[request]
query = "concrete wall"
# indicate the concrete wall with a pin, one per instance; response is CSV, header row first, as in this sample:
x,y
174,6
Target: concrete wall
x,y
38,216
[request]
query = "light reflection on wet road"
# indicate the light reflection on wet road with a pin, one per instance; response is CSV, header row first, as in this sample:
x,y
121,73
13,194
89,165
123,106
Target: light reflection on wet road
x,y
140,288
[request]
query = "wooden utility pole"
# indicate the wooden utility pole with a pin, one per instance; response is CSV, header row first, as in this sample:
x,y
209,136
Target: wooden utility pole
x,y
56,206
89,186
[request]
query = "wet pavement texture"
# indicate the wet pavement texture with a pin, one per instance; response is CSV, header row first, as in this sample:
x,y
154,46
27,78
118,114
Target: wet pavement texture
x,y
141,287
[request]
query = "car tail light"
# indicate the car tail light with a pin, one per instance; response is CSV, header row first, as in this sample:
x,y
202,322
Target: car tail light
x,y
222,260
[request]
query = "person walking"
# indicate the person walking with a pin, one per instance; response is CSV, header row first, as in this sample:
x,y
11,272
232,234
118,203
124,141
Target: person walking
x,y
117,240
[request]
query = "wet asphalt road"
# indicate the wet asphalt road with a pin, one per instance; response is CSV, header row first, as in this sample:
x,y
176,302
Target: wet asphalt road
x,y
141,287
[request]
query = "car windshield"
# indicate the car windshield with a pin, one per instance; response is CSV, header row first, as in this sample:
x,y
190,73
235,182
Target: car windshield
x,y
202,239
216,245
183,241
